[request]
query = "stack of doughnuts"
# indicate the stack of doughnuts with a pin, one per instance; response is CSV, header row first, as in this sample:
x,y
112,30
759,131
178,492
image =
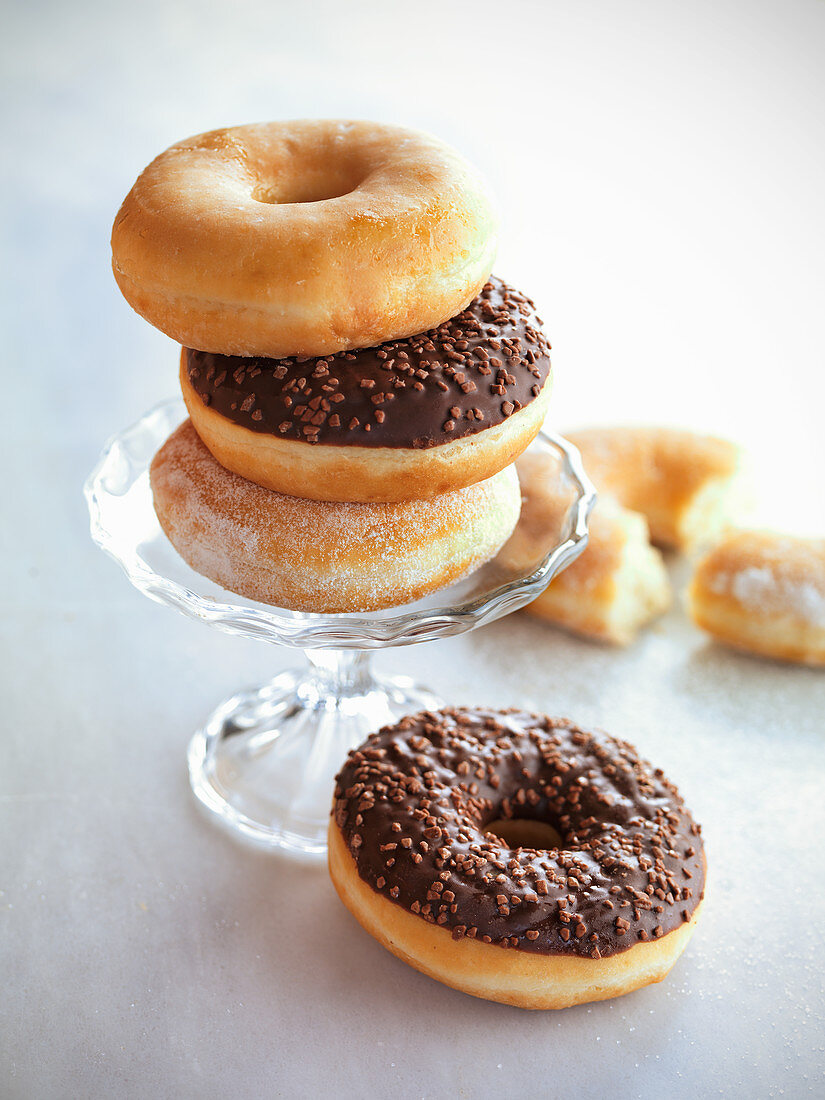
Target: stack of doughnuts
x,y
358,384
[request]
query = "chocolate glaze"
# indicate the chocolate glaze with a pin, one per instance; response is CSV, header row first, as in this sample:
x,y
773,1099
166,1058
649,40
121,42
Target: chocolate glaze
x,y
470,373
412,804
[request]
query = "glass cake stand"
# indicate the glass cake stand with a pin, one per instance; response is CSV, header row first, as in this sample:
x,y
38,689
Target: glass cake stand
x,y
265,760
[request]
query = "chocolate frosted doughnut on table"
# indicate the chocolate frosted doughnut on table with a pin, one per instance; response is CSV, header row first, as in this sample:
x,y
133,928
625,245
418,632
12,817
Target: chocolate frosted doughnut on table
x,y
408,419
606,911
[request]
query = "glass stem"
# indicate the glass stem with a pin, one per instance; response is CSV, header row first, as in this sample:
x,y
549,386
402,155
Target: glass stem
x,y
335,675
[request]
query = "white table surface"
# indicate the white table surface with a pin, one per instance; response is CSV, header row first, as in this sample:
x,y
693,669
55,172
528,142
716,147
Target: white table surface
x,y
661,170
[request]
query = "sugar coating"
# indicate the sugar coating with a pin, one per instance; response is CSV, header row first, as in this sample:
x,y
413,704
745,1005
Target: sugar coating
x,y
771,574
317,555
760,589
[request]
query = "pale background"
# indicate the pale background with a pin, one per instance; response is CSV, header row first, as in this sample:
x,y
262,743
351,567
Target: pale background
x,y
661,169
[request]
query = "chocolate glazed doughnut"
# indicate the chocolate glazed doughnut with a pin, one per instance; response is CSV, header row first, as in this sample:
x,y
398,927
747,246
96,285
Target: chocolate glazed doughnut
x,y
403,421
606,909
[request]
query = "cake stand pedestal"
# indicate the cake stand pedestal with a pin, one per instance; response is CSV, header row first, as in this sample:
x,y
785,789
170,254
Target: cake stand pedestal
x,y
265,760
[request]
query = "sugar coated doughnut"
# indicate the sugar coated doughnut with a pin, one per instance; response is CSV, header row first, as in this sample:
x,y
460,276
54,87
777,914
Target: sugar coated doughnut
x,y
427,848
316,556
764,593
303,238
685,484
409,419
615,586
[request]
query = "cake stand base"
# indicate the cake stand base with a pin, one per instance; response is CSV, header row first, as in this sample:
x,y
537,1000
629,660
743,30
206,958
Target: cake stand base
x,y
266,759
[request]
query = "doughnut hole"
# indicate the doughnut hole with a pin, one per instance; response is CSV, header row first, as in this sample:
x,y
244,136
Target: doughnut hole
x,y
522,832
301,173
308,187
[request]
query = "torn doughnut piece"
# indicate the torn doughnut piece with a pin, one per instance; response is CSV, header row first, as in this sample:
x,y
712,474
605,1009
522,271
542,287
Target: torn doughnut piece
x,y
686,485
615,587
763,593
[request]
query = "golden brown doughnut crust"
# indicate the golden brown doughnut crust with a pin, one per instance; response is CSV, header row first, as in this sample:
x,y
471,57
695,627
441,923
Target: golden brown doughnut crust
x,y
316,556
488,971
679,480
764,593
303,237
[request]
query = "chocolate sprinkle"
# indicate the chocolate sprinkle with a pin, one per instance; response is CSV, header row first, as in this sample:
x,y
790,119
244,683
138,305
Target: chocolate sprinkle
x,y
623,825
426,390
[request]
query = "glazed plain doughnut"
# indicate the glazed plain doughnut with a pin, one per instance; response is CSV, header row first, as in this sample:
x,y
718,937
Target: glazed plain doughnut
x,y
764,593
322,557
303,238
685,484
604,905
407,420
616,585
